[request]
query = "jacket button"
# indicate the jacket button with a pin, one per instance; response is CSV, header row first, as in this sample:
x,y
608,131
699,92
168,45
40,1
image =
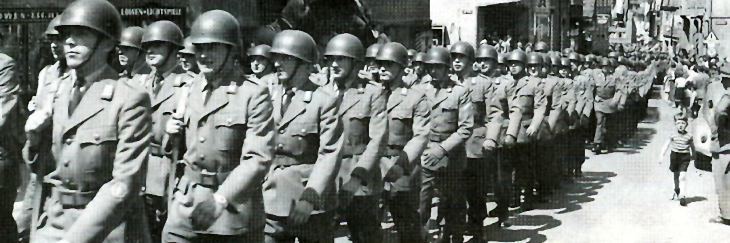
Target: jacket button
x,y
280,146
202,139
96,137
202,157
65,163
304,130
230,121
281,131
69,141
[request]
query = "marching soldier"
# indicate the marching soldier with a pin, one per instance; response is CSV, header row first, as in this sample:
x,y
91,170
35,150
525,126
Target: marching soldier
x,y
720,137
605,104
444,157
162,40
498,169
11,144
101,149
419,70
300,184
370,71
408,112
541,47
39,121
585,85
463,55
362,112
573,144
553,128
187,57
527,104
227,127
536,173
261,65
501,65
131,55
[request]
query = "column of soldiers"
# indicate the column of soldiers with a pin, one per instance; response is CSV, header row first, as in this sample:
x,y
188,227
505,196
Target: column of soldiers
x,y
194,150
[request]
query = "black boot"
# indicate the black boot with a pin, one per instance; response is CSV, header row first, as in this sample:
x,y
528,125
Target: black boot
x,y
596,149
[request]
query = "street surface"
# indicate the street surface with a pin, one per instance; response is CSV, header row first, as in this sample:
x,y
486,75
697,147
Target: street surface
x,y
624,196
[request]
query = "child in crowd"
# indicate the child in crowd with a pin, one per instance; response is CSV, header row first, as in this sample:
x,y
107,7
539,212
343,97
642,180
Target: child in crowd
x,y
682,152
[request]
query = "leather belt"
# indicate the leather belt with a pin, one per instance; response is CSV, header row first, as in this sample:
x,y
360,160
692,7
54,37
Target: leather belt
x,y
287,160
72,198
205,178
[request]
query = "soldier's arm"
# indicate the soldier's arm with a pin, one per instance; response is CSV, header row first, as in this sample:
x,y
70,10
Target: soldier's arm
x,y
108,208
496,114
540,106
8,92
256,153
330,146
377,132
515,118
421,127
465,123
557,105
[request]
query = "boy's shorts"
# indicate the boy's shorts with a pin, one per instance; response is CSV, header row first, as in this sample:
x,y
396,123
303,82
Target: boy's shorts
x,y
679,162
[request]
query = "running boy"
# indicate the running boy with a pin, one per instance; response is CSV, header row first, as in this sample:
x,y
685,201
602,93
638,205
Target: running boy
x,y
681,155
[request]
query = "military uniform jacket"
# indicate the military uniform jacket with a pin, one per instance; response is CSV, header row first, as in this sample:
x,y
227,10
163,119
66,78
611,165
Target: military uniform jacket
x,y
11,123
101,152
452,119
363,116
408,113
525,98
164,104
555,114
497,115
230,136
309,140
477,87
605,93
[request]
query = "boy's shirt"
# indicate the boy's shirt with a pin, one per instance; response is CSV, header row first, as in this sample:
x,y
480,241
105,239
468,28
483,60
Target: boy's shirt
x,y
681,142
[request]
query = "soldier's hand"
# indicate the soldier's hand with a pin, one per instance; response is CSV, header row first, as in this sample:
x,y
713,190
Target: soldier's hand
x,y
300,212
206,213
32,104
435,154
174,126
32,138
347,191
365,74
531,131
489,145
509,141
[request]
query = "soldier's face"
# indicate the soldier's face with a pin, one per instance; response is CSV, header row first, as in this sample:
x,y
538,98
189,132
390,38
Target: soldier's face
x,y
545,70
516,68
285,66
389,71
607,69
574,66
259,64
79,45
127,55
56,46
460,62
158,53
534,70
437,71
487,65
211,57
372,65
187,61
564,72
340,67
419,69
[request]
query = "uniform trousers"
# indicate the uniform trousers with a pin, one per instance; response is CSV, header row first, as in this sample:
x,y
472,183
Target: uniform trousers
x,y
319,228
362,219
8,227
525,158
476,183
452,204
499,170
403,203
604,126
720,162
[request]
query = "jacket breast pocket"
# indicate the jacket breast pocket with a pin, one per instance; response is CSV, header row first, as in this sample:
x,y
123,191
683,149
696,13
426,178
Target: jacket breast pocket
x,y
401,122
359,119
97,144
230,130
302,136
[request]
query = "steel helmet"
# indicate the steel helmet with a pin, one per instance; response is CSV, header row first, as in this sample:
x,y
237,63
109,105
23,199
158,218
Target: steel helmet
x,y
132,37
438,55
567,52
564,62
487,51
555,60
295,43
372,50
51,30
188,47
463,48
534,58
216,26
623,61
517,55
574,57
99,15
501,58
345,45
541,47
260,50
613,54
411,52
590,58
164,31
419,57
394,52
546,60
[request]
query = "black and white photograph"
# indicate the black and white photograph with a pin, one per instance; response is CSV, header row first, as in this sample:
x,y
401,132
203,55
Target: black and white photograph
x,y
364,121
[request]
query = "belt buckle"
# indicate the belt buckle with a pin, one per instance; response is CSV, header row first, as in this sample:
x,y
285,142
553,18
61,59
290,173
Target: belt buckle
x,y
209,179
